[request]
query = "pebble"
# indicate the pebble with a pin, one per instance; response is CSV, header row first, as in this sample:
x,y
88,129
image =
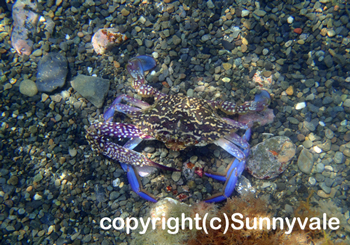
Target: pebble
x,y
300,106
13,180
290,90
290,20
52,72
339,157
37,52
176,176
260,12
271,157
305,161
28,88
319,167
312,181
325,188
93,89
38,178
37,197
245,13
72,152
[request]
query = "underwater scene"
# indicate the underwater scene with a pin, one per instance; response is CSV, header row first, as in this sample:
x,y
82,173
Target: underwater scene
x,y
175,122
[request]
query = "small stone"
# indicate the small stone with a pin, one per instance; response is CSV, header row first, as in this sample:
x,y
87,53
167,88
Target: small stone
x,y
260,12
290,90
226,80
307,144
265,51
347,103
290,19
317,149
305,161
328,60
312,181
37,197
176,176
37,178
37,52
13,180
28,88
210,4
245,13
300,106
329,133
52,72
91,88
325,188
72,152
114,195
227,66
319,167
125,12
339,157
176,40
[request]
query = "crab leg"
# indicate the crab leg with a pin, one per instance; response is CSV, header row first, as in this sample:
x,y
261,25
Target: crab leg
x,y
230,148
233,172
136,68
116,106
97,137
260,103
133,178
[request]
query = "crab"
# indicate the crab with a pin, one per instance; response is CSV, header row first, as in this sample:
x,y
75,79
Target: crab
x,y
178,121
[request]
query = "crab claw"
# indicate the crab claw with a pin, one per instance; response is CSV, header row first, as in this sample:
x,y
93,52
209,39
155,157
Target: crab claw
x,y
262,100
139,65
233,172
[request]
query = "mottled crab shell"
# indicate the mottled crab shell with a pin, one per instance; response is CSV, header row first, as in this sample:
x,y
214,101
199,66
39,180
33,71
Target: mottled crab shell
x,y
181,121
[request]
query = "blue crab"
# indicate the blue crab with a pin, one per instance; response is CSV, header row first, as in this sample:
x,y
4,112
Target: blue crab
x,y
178,121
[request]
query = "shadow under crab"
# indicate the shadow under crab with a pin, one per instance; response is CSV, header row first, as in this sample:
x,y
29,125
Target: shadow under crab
x,y
176,120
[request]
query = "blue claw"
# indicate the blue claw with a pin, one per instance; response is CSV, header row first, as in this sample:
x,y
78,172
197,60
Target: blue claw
x,y
263,100
139,65
233,172
147,62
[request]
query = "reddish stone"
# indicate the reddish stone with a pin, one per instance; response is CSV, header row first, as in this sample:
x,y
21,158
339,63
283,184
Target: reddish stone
x,y
298,30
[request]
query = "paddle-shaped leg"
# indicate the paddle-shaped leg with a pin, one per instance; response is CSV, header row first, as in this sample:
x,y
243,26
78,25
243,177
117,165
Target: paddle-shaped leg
x,y
233,172
133,176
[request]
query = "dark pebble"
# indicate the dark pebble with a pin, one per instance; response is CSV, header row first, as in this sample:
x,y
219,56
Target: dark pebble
x,y
227,45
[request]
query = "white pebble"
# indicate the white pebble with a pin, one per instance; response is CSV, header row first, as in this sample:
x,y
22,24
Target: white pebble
x,y
300,106
344,122
265,51
322,123
155,55
37,197
290,20
312,181
116,182
317,149
347,79
142,20
245,13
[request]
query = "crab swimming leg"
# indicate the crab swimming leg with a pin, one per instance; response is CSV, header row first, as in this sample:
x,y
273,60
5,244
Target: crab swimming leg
x,y
133,177
233,172
260,103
